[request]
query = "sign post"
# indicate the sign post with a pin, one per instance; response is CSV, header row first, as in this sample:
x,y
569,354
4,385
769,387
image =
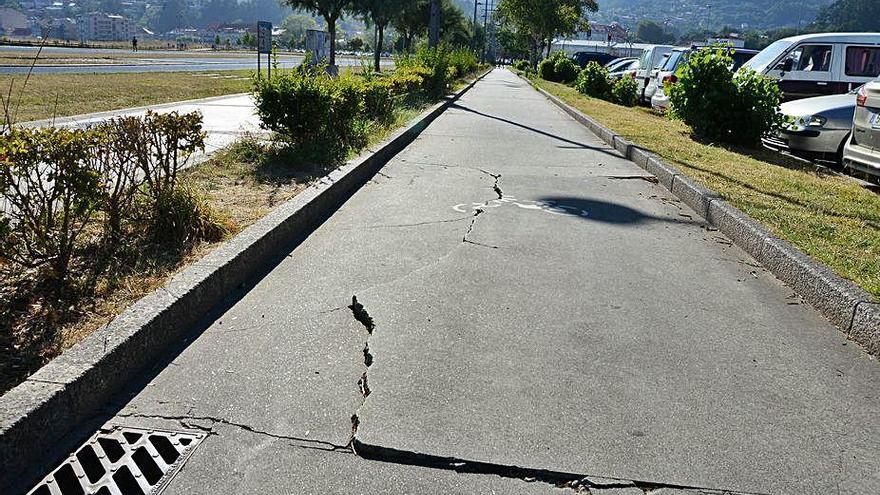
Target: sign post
x,y
264,45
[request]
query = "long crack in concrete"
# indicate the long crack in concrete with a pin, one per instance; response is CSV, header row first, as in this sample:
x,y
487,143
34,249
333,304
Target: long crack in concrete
x,y
361,315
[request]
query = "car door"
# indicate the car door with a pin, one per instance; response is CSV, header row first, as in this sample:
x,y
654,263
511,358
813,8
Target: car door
x,y
806,71
860,64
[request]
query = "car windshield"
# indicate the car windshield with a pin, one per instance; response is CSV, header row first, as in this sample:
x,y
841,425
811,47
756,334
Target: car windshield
x,y
760,61
672,61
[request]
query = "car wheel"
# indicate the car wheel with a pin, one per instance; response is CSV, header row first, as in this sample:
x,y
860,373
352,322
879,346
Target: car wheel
x,y
838,159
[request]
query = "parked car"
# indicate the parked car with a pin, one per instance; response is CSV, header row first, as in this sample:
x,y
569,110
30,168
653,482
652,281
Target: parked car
x,y
627,69
617,62
818,127
651,60
820,64
678,58
862,150
583,58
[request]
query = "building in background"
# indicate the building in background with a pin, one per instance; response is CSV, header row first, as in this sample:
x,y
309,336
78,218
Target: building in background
x,y
64,29
98,26
14,23
609,33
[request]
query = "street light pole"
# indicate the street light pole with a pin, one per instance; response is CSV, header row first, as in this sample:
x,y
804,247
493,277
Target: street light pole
x,y
474,41
485,28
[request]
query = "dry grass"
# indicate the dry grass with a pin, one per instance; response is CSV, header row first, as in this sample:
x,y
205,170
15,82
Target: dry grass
x,y
59,95
830,217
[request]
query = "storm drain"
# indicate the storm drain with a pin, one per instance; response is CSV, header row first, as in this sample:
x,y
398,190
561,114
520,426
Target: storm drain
x,y
121,461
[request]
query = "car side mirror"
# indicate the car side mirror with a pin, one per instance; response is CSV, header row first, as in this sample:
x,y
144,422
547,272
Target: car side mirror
x,y
786,65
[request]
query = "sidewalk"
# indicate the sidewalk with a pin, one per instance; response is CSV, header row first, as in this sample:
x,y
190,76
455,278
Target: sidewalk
x,y
542,309
226,119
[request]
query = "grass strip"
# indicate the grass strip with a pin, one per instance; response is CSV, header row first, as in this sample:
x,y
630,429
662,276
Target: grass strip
x,y
60,95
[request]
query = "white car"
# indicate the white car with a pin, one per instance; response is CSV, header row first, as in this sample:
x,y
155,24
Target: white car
x,y
651,60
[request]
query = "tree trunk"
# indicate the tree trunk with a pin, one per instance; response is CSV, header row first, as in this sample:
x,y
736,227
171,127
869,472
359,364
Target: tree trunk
x,y
331,27
380,42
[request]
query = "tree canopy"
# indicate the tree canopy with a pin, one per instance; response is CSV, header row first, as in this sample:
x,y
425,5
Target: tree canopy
x,y
850,15
330,10
648,31
544,20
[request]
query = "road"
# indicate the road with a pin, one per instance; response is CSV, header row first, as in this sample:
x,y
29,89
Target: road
x,y
539,303
98,60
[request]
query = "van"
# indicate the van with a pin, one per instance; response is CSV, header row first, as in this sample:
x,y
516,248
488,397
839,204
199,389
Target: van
x,y
820,64
651,60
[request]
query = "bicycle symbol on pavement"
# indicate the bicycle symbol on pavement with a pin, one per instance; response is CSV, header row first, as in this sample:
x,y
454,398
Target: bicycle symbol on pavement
x,y
551,207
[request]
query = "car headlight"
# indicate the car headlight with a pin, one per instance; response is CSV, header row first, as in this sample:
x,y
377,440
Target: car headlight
x,y
816,121
806,122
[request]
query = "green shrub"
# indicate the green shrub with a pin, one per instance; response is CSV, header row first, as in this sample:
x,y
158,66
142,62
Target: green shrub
x,y
316,114
464,61
182,217
565,70
547,67
547,70
719,105
522,65
50,191
593,81
625,92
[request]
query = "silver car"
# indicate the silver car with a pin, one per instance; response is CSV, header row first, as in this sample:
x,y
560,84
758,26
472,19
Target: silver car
x,y
818,127
862,151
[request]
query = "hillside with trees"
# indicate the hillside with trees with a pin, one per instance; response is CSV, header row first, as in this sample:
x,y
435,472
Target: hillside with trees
x,y
689,15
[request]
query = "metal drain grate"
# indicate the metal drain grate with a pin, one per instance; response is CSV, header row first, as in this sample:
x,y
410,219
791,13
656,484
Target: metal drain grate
x,y
121,461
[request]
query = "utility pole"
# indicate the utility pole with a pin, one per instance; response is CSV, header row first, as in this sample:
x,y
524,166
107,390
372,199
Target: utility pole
x,y
434,26
486,29
474,41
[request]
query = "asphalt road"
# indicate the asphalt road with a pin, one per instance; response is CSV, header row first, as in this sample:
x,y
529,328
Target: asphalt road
x,y
538,302
149,61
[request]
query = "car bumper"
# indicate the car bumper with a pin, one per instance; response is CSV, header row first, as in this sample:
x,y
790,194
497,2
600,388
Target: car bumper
x,y
824,142
660,102
866,160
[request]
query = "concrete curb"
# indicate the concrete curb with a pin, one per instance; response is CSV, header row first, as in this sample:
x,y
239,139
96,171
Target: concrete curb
x,y
72,388
853,310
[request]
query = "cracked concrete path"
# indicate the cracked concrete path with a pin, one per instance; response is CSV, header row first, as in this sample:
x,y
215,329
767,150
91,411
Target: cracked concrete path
x,y
504,304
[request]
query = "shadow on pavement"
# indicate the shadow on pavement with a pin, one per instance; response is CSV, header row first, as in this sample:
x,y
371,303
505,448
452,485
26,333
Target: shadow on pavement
x,y
608,212
576,144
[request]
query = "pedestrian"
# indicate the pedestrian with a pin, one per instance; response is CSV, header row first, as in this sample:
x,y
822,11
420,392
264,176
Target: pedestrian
x,y
134,43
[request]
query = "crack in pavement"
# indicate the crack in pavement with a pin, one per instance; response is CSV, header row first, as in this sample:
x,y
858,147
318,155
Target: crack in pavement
x,y
495,187
417,224
477,212
187,422
361,315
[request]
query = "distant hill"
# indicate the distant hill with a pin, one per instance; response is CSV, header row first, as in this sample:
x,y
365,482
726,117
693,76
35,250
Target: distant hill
x,y
686,15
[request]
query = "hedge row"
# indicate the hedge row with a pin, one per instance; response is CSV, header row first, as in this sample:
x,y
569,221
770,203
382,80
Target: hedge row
x,y
112,181
328,117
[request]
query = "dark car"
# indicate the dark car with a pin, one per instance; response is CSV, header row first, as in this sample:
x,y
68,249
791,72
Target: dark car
x,y
583,58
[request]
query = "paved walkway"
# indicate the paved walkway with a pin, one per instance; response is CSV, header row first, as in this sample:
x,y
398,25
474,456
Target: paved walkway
x,y
538,304
226,119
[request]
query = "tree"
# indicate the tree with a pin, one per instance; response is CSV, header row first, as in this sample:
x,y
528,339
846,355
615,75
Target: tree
x,y
412,21
850,15
648,31
330,10
380,13
174,14
543,20
295,27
